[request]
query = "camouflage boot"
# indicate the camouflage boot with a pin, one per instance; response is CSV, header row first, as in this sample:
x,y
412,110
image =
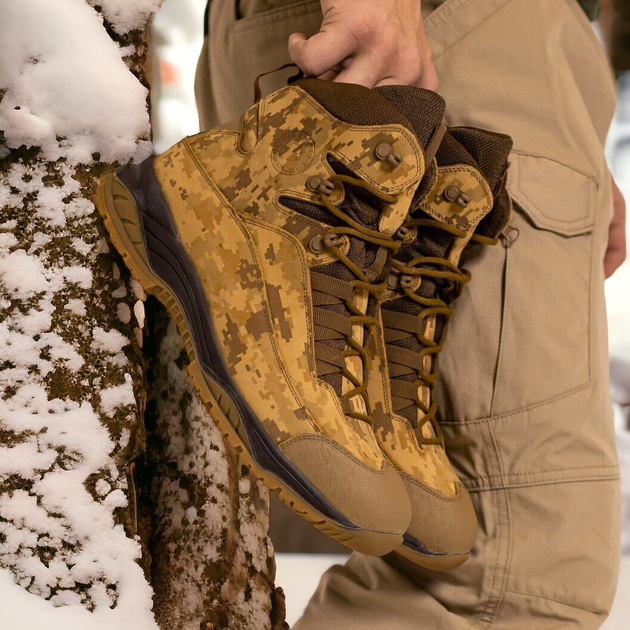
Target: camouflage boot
x,y
266,240
468,202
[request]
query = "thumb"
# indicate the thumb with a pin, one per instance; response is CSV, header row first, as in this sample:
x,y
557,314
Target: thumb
x,y
323,51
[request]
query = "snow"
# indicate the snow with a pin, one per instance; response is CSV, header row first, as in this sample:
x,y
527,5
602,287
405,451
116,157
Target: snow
x,y
111,341
125,15
66,560
117,396
65,78
124,312
29,281
138,311
77,307
101,549
17,602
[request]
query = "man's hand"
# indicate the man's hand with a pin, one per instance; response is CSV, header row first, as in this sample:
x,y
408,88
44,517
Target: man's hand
x,y
369,42
616,251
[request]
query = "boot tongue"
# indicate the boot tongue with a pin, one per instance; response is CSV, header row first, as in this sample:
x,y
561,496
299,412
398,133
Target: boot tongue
x,y
487,153
423,112
491,152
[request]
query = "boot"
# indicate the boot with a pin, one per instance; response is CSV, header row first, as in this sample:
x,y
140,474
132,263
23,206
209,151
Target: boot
x,y
468,203
267,240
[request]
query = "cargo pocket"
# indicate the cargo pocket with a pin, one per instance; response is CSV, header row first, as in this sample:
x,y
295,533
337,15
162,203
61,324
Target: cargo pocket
x,y
258,42
245,40
546,322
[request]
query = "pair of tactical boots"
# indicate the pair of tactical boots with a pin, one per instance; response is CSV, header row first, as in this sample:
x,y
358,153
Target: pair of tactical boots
x,y
309,252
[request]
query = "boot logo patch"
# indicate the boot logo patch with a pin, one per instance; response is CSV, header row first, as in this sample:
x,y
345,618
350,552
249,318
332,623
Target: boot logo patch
x,y
293,152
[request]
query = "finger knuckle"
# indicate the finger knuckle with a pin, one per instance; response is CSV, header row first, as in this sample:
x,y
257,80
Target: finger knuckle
x,y
310,65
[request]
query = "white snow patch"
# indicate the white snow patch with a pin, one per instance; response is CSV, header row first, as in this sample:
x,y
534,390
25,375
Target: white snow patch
x,y
25,458
117,396
138,311
22,275
48,55
109,341
36,321
102,487
191,514
115,499
126,16
77,307
20,605
81,246
39,240
7,240
120,292
103,551
78,275
138,291
124,312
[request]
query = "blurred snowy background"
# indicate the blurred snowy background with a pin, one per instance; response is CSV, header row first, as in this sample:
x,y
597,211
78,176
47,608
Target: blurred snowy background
x,y
304,554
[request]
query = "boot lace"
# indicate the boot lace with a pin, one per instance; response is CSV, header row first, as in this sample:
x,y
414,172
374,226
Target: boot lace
x,y
404,362
329,291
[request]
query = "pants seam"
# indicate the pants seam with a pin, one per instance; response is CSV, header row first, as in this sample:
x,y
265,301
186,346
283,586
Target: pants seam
x,y
553,470
504,310
441,18
551,482
504,546
555,600
520,411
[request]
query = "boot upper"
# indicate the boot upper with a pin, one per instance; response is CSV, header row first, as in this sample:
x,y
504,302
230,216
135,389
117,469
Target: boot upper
x,y
289,215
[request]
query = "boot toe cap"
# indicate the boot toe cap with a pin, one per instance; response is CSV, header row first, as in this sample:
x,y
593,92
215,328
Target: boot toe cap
x,y
440,525
372,499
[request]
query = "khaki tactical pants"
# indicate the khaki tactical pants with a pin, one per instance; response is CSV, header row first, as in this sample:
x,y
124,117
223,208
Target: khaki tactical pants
x,y
524,376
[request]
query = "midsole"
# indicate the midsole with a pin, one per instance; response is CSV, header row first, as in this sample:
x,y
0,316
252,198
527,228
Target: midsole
x,y
170,262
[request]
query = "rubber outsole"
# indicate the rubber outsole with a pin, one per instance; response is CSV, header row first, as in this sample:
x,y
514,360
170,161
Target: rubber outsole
x,y
117,207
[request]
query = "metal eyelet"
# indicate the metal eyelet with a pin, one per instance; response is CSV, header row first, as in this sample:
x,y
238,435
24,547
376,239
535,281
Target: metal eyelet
x,y
392,282
319,243
385,152
406,282
455,193
317,184
402,232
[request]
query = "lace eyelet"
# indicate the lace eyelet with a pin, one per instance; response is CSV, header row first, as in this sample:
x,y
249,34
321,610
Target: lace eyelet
x,y
392,282
319,243
456,194
406,282
320,185
402,232
385,152
331,240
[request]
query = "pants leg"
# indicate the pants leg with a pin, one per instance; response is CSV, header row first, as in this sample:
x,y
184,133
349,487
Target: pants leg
x,y
246,38
523,387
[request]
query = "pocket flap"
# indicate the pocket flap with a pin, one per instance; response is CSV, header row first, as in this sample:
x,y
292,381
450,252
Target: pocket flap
x,y
553,196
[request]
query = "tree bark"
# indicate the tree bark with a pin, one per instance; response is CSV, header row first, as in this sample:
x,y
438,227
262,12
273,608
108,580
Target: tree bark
x,y
143,527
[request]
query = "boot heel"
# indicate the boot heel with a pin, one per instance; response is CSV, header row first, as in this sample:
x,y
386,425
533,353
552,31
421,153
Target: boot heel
x,y
119,211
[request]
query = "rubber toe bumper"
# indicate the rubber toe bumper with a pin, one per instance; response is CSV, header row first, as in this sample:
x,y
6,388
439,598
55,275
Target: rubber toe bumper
x,y
376,501
443,530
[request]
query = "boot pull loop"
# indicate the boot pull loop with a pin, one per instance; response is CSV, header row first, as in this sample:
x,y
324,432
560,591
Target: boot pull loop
x,y
434,144
258,91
